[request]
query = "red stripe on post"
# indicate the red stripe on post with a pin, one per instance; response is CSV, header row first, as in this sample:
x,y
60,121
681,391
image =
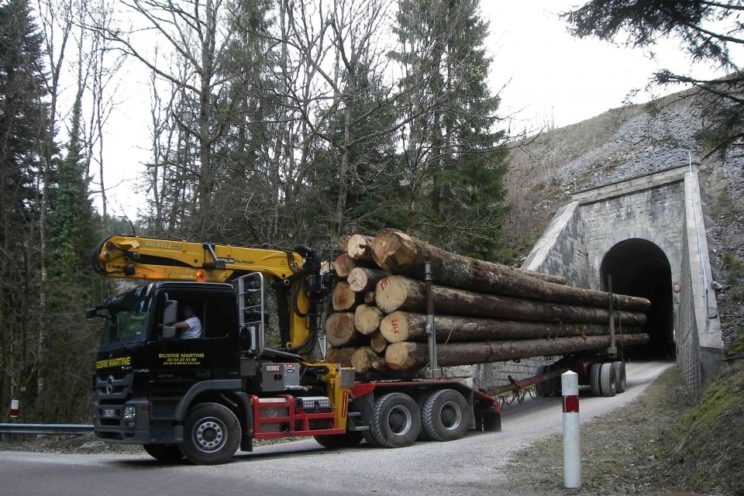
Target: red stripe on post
x,y
571,404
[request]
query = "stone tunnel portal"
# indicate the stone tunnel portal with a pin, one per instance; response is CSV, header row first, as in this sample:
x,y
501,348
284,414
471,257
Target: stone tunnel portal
x,y
640,268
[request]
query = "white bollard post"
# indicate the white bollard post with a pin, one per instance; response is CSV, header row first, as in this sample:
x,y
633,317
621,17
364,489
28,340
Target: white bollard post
x,y
571,431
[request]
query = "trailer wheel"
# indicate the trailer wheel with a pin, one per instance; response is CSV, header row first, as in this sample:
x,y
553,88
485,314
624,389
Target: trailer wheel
x,y
211,434
445,415
594,375
347,440
622,381
608,380
164,452
540,388
396,420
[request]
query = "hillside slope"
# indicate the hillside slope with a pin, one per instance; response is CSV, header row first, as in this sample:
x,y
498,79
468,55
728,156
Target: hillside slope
x,y
545,170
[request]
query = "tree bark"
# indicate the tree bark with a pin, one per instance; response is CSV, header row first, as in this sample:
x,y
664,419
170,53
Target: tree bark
x,y
407,355
362,279
405,326
340,330
344,298
546,277
399,253
401,293
367,319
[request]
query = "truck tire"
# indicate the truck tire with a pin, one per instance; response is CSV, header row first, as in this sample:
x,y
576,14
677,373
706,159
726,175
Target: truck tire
x,y
396,420
347,440
594,374
164,452
211,434
445,415
607,380
622,381
540,387
367,435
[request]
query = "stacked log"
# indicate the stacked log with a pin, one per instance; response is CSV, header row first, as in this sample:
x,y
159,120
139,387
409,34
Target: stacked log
x,y
484,311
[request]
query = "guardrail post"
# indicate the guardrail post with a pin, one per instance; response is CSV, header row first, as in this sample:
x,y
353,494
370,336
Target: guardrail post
x,y
571,430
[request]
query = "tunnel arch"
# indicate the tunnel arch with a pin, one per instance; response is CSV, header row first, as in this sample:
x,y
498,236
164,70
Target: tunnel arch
x,y
640,268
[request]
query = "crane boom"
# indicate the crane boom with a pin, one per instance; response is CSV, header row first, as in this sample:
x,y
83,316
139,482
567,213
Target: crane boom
x,y
135,257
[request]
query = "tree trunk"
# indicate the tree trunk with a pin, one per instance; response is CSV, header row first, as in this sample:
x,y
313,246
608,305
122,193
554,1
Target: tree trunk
x,y
407,355
546,277
340,330
367,319
343,265
359,247
401,293
362,279
344,298
404,326
399,253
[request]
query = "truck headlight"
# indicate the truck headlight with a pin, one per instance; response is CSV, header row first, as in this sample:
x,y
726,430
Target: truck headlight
x,y
129,413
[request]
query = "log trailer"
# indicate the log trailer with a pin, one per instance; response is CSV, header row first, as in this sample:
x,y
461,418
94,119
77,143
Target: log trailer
x,y
205,398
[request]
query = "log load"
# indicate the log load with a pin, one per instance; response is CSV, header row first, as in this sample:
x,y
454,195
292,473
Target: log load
x,y
362,279
407,356
343,298
405,326
359,247
378,343
340,330
367,319
399,253
401,293
364,360
343,265
546,277
341,356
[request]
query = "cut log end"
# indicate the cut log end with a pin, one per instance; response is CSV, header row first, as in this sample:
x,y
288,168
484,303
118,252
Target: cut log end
x,y
394,327
378,343
343,298
359,247
367,319
390,293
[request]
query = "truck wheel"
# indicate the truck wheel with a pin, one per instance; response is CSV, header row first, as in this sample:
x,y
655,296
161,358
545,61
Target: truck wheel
x,y
594,374
608,380
164,452
622,382
367,435
347,440
445,415
540,388
396,420
211,434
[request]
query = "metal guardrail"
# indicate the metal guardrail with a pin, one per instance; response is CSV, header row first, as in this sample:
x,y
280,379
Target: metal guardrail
x,y
71,429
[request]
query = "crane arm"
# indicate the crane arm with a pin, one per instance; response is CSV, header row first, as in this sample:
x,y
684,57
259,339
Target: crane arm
x,y
134,257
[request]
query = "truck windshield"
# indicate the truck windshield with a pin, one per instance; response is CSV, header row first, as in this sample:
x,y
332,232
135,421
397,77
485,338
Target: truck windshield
x,y
127,320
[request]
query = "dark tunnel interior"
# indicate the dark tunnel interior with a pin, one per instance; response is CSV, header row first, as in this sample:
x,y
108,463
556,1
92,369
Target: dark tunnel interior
x,y
640,268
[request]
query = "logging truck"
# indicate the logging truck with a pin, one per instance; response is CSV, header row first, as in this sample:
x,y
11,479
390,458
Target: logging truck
x,y
204,397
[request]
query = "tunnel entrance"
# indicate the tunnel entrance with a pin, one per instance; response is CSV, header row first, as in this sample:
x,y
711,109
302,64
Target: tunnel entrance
x,y
640,268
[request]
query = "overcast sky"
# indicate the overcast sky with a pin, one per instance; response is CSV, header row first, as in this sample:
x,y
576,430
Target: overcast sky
x,y
543,75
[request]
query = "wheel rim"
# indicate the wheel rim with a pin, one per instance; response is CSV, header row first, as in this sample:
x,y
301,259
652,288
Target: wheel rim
x,y
210,434
451,416
399,420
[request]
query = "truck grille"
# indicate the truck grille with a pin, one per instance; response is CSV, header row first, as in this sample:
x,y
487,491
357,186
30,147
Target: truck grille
x,y
110,387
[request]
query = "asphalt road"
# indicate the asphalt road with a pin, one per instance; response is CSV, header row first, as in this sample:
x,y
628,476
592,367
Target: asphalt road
x,y
473,465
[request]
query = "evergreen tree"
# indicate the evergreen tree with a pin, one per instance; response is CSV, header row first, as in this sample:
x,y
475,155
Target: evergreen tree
x,y
23,124
454,157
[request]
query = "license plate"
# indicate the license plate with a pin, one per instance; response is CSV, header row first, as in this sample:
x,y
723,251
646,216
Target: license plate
x,y
108,413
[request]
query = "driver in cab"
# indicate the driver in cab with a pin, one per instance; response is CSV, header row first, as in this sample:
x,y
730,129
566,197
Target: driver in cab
x,y
190,326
